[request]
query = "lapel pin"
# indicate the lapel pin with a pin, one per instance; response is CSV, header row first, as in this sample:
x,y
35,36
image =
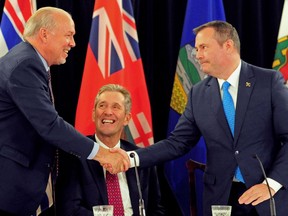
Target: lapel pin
x,y
248,84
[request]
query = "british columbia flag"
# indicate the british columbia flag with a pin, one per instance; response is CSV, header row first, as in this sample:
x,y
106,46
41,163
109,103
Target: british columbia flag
x,y
15,14
113,56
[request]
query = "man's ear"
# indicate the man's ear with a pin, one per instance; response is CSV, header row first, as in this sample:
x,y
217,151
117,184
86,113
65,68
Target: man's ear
x,y
43,34
229,45
128,116
93,115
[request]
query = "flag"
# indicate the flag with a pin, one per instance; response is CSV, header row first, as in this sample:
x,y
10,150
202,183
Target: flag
x,y
188,74
15,15
113,57
281,55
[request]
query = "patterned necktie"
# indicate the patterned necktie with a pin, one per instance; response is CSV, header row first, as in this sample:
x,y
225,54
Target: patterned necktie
x,y
56,165
114,193
50,86
229,110
47,200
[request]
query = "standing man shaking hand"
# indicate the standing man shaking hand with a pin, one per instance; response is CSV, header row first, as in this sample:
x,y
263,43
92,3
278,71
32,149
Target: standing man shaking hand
x,y
30,127
241,111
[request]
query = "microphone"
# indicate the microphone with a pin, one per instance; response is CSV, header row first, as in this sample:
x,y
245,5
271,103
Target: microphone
x,y
272,202
141,201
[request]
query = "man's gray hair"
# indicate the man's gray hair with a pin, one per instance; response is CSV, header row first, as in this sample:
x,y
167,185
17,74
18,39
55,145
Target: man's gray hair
x,y
116,88
42,18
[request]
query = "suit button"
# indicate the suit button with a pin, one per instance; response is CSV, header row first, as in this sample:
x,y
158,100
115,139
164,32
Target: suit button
x,y
236,152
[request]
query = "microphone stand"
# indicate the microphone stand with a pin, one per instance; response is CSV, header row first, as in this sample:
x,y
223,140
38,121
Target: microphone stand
x,y
272,201
141,201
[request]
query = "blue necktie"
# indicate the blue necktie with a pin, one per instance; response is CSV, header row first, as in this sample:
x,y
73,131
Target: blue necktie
x,y
229,110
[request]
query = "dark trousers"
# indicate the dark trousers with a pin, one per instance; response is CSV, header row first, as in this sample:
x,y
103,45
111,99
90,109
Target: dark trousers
x,y
48,212
238,188
2,213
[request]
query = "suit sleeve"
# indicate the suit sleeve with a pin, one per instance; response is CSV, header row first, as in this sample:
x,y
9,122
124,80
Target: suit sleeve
x,y
28,88
279,171
182,139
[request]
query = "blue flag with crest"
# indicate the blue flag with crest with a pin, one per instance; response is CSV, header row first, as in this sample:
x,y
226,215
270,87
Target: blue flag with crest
x,y
188,74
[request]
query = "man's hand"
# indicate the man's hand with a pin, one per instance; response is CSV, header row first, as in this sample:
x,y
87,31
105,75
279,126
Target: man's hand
x,y
114,161
256,194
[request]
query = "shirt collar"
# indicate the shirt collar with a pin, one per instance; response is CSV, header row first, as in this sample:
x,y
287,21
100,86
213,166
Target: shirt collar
x,y
42,59
233,79
103,145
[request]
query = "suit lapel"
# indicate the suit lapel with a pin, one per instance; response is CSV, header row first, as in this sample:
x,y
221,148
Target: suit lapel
x,y
246,85
133,190
132,183
98,176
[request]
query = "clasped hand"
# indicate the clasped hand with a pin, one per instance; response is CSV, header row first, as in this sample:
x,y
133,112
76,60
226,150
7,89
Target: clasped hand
x,y
114,160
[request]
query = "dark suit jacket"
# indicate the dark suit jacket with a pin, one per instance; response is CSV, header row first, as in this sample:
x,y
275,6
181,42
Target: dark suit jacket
x,y
30,129
261,127
83,186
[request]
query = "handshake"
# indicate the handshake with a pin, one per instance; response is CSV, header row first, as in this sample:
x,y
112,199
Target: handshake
x,y
114,160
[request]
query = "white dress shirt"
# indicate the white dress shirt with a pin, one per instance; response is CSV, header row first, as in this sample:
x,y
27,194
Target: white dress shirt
x,y
128,211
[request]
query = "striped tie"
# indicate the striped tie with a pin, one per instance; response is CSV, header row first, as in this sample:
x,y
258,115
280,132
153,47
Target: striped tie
x,y
47,200
229,110
50,86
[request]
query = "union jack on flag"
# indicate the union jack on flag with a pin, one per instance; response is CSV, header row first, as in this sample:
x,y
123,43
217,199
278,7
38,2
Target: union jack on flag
x,y
113,56
15,15
109,55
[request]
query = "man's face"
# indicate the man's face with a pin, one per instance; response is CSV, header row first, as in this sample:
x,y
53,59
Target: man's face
x,y
60,40
109,115
210,54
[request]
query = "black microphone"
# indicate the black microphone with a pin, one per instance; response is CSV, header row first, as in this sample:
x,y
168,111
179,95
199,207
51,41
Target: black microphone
x,y
141,201
272,202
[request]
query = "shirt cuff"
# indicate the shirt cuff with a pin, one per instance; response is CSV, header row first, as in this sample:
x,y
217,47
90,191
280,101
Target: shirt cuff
x,y
94,151
133,159
273,184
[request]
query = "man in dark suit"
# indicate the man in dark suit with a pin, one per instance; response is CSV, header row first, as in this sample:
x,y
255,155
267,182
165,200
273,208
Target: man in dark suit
x,y
30,127
233,176
84,186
